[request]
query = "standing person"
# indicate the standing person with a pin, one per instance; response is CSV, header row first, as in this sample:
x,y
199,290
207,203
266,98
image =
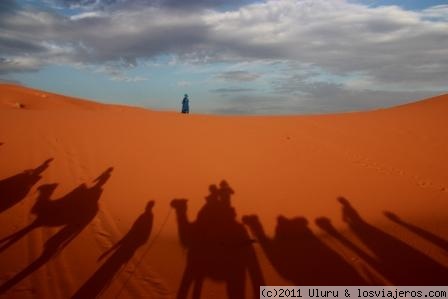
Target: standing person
x,y
185,105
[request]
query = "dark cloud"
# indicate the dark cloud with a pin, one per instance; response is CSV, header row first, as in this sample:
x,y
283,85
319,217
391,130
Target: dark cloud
x,y
173,4
117,39
135,38
14,45
8,6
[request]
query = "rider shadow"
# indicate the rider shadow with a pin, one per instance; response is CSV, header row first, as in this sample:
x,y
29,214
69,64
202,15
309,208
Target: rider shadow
x,y
436,240
397,261
74,212
123,251
325,224
301,257
15,188
218,246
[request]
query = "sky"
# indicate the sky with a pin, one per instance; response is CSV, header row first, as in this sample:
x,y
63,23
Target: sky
x,y
232,56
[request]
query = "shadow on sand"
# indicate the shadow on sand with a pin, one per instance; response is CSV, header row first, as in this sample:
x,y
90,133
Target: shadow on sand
x,y
398,262
301,257
15,188
436,240
123,251
74,212
218,246
325,224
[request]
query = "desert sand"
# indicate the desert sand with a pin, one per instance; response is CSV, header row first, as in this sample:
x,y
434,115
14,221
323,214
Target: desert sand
x,y
87,190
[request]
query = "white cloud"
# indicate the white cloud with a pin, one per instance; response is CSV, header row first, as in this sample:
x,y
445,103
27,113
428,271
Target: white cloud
x,y
238,76
88,14
19,64
439,12
117,72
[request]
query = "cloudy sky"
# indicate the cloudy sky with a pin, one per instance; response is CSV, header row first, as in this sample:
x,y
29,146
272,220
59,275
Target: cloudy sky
x,y
230,56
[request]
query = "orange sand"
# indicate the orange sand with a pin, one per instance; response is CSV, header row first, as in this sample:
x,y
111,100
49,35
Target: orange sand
x,y
296,166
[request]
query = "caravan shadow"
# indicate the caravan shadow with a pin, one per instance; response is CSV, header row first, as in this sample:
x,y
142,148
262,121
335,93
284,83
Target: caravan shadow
x,y
397,261
301,257
73,211
436,240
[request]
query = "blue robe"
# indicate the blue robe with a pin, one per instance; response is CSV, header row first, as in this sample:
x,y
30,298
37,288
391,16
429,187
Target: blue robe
x,y
185,106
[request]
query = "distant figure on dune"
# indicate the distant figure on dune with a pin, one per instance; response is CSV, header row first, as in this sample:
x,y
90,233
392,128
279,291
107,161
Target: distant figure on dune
x,y
185,104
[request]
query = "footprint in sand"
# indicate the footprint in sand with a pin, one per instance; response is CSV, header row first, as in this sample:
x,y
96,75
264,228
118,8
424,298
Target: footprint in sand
x,y
431,185
424,184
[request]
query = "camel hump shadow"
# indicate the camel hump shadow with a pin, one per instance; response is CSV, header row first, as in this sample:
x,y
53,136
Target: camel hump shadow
x,y
78,206
300,256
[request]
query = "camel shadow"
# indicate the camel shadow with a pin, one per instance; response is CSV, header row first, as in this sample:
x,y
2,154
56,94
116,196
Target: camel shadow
x,y
218,246
436,240
74,212
123,251
15,188
397,261
301,257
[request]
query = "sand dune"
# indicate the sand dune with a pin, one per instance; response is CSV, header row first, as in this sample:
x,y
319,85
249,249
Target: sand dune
x,y
355,198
